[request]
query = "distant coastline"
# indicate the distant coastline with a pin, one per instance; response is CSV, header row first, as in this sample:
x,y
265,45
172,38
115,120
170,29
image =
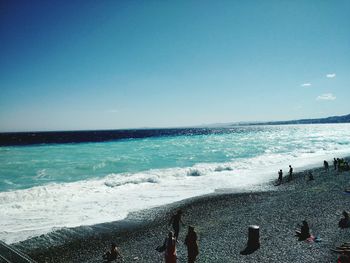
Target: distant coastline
x,y
332,119
326,120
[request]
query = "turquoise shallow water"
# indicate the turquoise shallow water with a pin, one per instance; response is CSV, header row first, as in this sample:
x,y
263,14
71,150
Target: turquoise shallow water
x,y
24,167
45,187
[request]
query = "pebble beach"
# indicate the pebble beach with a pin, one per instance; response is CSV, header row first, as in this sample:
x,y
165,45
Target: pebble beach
x,y
221,221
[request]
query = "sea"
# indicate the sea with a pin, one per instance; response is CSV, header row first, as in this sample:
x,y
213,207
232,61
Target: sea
x,y
55,180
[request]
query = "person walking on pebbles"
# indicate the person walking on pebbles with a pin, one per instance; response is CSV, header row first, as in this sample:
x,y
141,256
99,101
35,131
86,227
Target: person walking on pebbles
x,y
175,221
192,246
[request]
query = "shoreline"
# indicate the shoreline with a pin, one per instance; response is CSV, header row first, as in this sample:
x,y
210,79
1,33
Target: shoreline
x,y
221,221
253,179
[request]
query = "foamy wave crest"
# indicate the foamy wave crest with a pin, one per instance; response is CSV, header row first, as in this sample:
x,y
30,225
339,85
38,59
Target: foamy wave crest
x,y
194,172
116,180
223,168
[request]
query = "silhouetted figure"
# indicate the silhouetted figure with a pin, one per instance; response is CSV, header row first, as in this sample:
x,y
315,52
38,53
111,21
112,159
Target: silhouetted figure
x,y
335,162
304,232
311,177
339,162
280,176
290,173
345,221
192,246
343,258
326,165
170,249
113,254
175,221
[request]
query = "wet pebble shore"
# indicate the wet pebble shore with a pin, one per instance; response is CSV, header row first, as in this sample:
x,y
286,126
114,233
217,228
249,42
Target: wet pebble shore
x,y
222,220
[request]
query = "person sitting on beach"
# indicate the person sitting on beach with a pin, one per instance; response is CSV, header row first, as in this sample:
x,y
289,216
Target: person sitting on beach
x,y
345,221
192,246
290,173
175,221
170,248
326,165
280,175
113,254
311,177
304,232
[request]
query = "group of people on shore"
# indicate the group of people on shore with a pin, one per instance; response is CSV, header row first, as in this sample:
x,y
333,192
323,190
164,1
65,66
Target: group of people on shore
x,y
170,242
304,232
340,164
280,175
169,246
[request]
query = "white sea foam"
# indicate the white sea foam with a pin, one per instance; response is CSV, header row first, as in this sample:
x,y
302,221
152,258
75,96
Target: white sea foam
x,y
38,210
31,212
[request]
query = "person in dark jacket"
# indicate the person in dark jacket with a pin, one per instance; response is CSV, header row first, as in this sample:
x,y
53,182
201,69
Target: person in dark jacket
x,y
192,245
175,221
304,232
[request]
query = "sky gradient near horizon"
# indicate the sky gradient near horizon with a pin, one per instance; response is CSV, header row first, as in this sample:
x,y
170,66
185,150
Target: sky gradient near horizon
x,y
71,65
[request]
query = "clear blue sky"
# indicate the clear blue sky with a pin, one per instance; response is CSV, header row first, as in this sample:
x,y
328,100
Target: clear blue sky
x,y
68,65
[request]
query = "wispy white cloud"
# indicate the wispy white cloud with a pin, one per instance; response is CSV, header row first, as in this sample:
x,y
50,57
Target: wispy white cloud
x,y
326,96
331,75
306,84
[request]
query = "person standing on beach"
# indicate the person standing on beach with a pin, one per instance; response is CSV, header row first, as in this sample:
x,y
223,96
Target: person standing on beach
x,y
170,248
290,173
280,175
175,221
339,163
335,163
326,166
192,246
